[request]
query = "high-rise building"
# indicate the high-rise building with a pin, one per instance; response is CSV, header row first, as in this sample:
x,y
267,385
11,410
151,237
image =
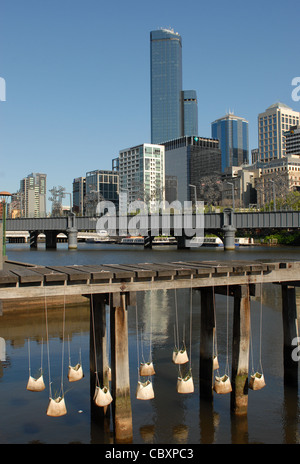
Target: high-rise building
x,y
272,124
174,112
292,141
232,132
33,194
101,185
166,85
142,173
190,112
79,190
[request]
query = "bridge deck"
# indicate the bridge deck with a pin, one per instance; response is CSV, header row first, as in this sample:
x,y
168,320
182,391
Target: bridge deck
x,y
21,280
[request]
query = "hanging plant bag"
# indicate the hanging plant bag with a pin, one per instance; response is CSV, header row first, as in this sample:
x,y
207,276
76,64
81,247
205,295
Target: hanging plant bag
x,y
109,374
145,391
146,369
185,384
75,373
222,384
180,356
102,396
56,407
215,363
257,381
36,385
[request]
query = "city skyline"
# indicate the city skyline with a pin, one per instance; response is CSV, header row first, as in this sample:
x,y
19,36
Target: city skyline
x,y
75,99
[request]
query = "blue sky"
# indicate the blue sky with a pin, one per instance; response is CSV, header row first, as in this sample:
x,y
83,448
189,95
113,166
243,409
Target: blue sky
x,y
78,75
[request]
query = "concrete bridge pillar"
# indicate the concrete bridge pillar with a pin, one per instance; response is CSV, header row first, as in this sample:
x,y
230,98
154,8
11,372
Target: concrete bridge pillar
x,y
228,229
72,238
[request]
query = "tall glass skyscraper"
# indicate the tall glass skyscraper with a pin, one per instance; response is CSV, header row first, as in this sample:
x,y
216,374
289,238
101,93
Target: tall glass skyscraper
x,y
166,85
232,132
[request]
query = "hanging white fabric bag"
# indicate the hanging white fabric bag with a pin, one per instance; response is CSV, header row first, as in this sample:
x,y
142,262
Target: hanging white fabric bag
x,y
36,385
56,407
145,390
185,384
215,363
180,356
102,396
147,369
109,374
75,373
222,384
257,381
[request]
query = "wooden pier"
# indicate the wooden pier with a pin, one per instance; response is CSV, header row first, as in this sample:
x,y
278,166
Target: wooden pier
x,y
117,285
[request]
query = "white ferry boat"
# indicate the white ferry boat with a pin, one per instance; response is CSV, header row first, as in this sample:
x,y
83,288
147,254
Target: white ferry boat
x,y
205,242
244,241
133,240
164,240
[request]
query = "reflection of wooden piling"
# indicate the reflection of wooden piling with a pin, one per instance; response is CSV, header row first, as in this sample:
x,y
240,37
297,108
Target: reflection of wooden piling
x,y
120,369
290,331
207,342
240,350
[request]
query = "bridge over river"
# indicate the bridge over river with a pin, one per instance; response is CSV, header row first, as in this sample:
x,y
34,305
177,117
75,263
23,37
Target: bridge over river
x,y
224,224
117,285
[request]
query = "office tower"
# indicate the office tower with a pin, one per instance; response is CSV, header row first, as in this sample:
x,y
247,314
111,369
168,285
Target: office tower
x,y
166,85
292,141
79,190
272,124
142,173
101,185
232,132
33,193
190,159
174,112
190,113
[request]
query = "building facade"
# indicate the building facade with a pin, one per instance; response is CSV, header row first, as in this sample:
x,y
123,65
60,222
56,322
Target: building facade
x,y
189,160
292,141
79,191
272,125
142,174
233,133
190,112
33,195
101,185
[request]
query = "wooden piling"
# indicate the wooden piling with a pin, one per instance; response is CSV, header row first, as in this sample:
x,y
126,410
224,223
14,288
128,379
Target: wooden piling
x,y
120,369
98,351
290,332
240,350
207,333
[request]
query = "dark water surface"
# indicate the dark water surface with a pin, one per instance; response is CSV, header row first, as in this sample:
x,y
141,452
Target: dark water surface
x,y
170,418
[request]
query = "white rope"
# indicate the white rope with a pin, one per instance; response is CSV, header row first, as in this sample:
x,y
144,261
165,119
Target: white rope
x,y
48,350
137,340
227,348
191,313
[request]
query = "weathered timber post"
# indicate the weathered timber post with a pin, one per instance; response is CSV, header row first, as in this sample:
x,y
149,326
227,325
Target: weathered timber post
x,y
290,332
240,350
120,369
207,333
98,353
1,247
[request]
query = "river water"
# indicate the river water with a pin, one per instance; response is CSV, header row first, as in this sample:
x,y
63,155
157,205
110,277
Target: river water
x,y
170,418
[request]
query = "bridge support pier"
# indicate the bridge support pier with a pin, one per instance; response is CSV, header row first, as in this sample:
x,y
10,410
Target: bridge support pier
x,y
290,332
33,239
51,238
240,350
72,238
120,368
